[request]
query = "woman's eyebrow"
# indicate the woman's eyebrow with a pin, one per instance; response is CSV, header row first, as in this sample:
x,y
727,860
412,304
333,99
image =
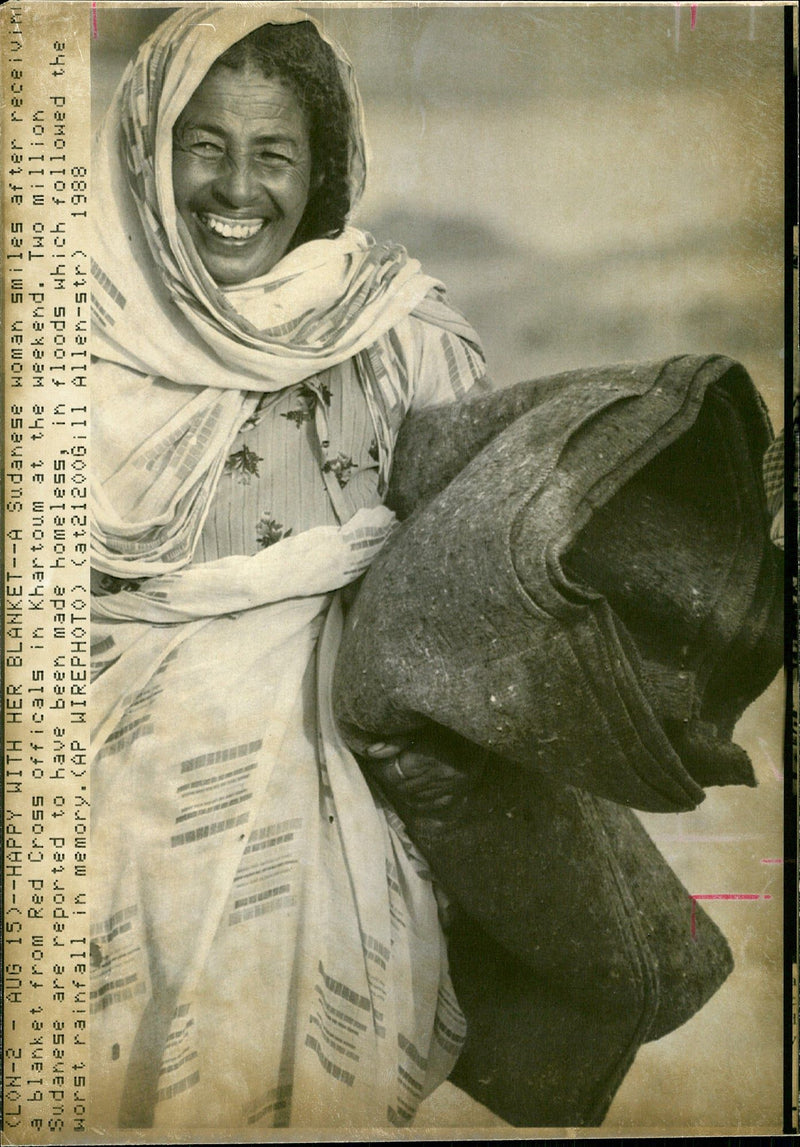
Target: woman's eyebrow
x,y
218,129
184,125
282,140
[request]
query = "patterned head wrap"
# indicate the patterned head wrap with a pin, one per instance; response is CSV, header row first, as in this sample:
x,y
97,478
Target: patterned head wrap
x,y
158,314
167,70
322,303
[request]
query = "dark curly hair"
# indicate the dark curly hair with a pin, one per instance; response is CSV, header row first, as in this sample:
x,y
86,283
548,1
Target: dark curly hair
x,y
297,55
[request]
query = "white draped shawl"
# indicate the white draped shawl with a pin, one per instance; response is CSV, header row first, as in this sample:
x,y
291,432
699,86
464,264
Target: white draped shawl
x,y
265,939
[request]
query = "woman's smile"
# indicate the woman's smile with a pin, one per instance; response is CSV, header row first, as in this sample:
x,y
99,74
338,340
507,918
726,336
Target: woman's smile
x,y
235,230
241,170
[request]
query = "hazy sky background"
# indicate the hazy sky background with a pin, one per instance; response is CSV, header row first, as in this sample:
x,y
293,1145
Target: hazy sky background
x,y
592,183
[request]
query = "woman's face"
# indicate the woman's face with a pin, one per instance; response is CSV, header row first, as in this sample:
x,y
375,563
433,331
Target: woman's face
x,y
241,172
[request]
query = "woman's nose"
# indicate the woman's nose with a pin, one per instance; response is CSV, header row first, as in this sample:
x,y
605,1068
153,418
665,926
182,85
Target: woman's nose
x,y
238,186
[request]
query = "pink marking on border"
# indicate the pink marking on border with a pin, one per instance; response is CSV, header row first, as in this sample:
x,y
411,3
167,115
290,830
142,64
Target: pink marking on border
x,y
694,16
722,896
728,896
716,837
770,860
94,19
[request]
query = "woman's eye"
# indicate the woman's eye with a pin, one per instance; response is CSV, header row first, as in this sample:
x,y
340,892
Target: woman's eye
x,y
205,147
273,157
194,145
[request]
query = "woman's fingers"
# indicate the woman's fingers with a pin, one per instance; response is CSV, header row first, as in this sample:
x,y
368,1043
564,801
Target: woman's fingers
x,y
419,782
381,751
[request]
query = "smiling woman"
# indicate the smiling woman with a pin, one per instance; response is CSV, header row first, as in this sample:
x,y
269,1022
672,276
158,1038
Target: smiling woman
x,y
266,940
262,146
241,170
268,945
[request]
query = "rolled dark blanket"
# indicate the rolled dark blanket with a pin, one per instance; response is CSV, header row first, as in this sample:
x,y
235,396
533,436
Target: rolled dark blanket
x,y
577,948
571,941
593,595
582,603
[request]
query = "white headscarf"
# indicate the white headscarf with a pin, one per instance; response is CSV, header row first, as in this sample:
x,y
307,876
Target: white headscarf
x,y
156,308
160,320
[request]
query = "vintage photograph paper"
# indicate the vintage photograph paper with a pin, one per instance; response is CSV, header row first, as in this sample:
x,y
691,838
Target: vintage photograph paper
x,y
394,571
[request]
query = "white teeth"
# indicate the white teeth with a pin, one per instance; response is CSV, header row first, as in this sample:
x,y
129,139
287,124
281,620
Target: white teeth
x,y
241,229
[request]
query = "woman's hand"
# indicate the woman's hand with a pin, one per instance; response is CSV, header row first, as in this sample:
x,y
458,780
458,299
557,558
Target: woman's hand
x,y
423,777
